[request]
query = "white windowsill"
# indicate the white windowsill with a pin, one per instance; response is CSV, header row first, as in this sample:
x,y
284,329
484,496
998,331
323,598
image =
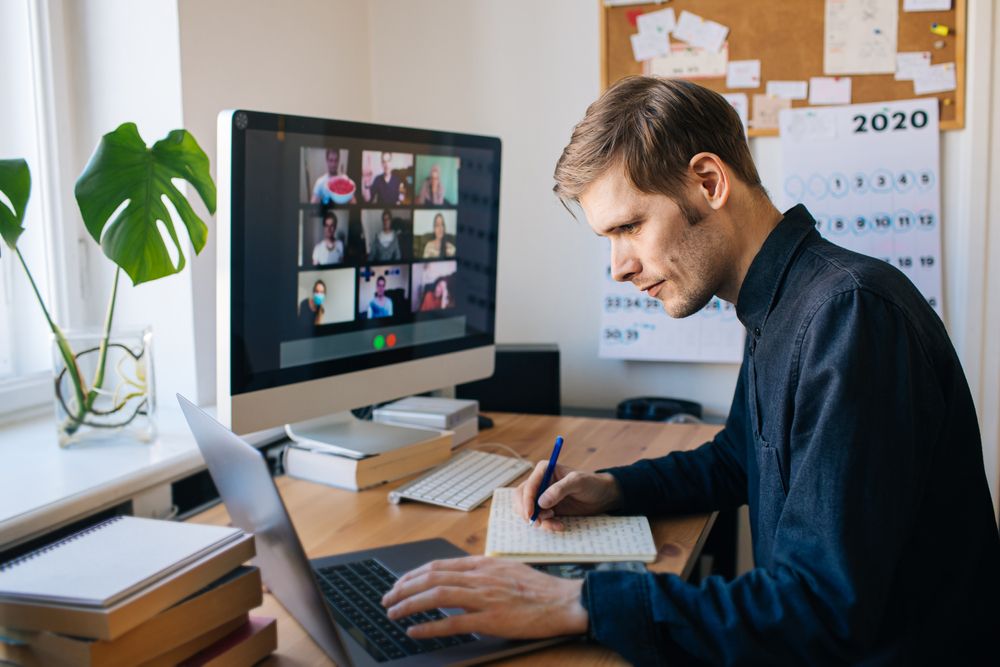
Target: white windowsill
x,y
43,486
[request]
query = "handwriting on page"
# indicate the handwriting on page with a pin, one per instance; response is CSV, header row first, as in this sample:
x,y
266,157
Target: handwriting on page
x,y
584,538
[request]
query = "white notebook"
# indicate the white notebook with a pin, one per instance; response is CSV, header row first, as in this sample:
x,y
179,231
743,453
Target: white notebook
x,y
586,539
103,564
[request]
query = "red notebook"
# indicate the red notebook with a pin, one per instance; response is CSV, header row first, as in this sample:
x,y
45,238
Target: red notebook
x,y
250,643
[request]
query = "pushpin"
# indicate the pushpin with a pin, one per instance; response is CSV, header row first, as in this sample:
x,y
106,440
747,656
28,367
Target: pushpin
x,y
940,29
938,43
947,101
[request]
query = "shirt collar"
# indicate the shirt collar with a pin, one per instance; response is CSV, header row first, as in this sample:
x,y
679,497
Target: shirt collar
x,y
760,286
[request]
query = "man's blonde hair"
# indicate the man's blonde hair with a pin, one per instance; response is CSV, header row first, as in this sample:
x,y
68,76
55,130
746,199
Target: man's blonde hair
x,y
651,128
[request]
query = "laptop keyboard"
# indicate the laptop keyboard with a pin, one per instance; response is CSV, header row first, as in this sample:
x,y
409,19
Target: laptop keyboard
x,y
355,591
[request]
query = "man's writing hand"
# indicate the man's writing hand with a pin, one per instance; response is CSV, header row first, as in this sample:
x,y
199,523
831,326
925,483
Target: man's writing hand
x,y
500,598
570,493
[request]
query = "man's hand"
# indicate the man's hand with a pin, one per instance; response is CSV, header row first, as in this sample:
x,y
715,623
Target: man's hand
x,y
500,598
570,493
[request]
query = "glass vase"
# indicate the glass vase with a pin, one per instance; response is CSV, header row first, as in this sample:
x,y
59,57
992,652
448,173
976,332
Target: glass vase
x,y
122,403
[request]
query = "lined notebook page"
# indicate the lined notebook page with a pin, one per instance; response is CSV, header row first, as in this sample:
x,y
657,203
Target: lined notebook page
x,y
109,561
586,539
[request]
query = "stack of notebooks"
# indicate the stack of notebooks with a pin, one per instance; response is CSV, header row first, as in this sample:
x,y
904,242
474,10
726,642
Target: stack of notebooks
x,y
133,591
357,455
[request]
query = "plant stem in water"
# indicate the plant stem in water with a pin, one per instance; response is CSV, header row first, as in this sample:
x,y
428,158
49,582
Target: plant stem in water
x,y
102,354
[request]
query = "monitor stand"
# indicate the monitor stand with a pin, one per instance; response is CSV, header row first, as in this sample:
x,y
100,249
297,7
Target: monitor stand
x,y
344,434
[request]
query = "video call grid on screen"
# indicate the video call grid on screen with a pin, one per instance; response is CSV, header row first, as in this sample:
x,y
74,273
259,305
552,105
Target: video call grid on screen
x,y
388,254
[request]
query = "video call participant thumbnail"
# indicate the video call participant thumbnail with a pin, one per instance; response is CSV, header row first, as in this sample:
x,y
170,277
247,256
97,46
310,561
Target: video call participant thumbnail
x,y
333,186
388,233
324,297
383,291
324,239
432,286
434,233
386,178
438,179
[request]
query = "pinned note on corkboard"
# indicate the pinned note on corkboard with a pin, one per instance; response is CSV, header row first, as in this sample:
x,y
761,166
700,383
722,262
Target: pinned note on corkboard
x,y
792,42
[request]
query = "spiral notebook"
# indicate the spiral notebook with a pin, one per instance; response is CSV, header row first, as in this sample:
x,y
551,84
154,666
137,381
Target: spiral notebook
x,y
586,539
109,561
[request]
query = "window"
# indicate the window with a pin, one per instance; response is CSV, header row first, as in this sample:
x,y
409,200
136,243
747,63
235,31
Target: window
x,y
25,347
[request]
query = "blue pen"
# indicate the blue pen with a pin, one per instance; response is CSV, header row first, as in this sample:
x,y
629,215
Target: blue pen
x,y
546,478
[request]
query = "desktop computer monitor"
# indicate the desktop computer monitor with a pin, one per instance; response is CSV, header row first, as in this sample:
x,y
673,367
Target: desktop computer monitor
x,y
357,264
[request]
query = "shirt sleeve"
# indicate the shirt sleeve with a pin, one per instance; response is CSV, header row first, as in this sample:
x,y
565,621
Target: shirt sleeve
x,y
866,410
711,477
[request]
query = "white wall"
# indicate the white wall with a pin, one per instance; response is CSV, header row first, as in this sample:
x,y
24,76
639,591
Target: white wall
x,y
525,71
976,264
116,61
990,410
305,58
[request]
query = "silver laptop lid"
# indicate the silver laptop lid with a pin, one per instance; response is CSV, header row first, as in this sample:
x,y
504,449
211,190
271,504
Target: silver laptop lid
x,y
248,491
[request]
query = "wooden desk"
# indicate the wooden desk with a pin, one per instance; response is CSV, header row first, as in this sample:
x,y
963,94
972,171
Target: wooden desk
x,y
364,520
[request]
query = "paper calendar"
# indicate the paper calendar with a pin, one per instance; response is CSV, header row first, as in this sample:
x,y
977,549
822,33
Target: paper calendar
x,y
869,175
635,326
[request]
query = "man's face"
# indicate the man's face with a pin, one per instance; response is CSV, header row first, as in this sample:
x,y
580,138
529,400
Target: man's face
x,y
332,162
328,226
386,166
654,246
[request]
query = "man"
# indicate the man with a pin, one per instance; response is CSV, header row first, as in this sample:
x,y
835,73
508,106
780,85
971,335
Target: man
x,y
380,305
386,188
321,188
330,249
852,434
385,245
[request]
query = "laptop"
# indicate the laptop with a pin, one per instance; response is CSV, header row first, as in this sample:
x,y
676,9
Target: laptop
x,y
336,599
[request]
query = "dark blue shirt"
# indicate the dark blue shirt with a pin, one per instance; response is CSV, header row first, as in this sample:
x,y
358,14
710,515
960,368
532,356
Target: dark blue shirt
x,y
854,440
386,192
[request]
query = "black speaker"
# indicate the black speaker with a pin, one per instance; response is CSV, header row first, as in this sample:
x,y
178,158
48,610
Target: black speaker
x,y
655,408
526,379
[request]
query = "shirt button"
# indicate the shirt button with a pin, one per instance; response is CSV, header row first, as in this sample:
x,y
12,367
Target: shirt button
x,y
756,332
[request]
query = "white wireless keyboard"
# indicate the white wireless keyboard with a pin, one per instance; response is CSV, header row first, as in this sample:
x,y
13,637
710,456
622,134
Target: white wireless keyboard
x,y
463,482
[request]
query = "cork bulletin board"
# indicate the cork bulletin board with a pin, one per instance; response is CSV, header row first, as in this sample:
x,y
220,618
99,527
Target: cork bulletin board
x,y
787,37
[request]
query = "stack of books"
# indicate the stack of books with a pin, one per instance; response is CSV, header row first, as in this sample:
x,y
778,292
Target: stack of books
x,y
461,416
131,591
357,456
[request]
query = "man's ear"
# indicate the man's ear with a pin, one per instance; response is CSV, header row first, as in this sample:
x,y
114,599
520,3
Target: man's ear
x,y
711,177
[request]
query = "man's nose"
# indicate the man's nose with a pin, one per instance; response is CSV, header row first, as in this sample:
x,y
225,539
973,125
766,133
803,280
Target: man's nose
x,y
624,264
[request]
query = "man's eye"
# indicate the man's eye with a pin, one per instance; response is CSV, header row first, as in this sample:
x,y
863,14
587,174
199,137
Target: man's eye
x,y
629,228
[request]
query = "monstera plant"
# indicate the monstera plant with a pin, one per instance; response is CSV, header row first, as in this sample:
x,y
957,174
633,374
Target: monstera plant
x,y
121,195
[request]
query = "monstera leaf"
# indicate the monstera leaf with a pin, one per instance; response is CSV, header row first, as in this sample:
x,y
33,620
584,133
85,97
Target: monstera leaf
x,y
123,170
15,183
